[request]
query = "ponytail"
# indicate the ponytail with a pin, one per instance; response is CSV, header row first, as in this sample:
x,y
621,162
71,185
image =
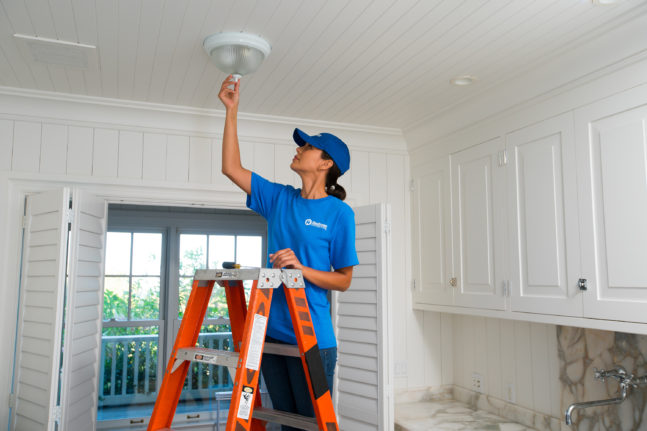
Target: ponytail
x,y
332,188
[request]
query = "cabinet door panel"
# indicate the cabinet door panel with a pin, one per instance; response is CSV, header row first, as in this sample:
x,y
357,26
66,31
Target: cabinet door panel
x,y
478,191
613,174
544,241
430,234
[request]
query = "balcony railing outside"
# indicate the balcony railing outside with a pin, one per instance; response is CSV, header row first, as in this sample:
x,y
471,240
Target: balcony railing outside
x,y
129,370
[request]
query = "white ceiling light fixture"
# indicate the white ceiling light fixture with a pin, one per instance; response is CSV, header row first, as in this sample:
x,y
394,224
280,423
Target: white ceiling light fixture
x,y
464,80
604,2
236,54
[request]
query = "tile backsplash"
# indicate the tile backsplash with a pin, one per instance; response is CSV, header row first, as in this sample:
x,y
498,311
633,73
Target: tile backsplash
x,y
583,350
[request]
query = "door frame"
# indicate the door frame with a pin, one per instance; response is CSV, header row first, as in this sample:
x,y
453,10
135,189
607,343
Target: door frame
x,y
14,187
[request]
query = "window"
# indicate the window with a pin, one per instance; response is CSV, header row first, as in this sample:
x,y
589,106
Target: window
x,y
151,256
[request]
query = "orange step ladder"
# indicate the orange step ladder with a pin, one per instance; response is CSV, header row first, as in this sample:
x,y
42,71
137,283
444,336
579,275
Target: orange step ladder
x,y
248,327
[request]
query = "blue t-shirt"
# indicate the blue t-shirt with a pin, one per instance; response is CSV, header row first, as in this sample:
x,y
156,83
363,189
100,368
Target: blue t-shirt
x,y
321,232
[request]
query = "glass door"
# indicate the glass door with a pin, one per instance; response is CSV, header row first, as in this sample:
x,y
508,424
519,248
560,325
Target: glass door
x,y
209,251
132,324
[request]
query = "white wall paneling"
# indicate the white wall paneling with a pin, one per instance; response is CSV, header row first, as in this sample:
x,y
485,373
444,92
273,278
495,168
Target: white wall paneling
x,y
131,149
26,155
517,360
6,144
177,159
200,160
53,152
79,150
154,157
105,154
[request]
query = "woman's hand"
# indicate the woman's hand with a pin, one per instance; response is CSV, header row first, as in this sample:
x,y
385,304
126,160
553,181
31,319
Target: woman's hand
x,y
339,279
229,96
285,259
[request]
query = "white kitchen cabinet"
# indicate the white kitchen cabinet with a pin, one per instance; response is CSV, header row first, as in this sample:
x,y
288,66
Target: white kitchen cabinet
x,y
543,232
478,215
611,147
431,233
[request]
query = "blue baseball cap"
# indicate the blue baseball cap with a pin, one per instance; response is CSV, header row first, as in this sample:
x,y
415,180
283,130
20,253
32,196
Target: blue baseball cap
x,y
331,144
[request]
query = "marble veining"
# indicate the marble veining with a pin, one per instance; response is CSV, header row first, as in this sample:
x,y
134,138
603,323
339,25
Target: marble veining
x,y
446,415
582,350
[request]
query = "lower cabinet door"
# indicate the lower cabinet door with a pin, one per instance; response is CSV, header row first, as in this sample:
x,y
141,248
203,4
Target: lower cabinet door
x,y
544,249
612,167
478,224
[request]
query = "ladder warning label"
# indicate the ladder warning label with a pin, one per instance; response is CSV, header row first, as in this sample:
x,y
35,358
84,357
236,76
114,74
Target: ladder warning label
x,y
245,406
256,342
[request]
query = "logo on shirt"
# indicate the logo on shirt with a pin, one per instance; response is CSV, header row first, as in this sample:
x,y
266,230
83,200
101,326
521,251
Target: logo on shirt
x,y
310,222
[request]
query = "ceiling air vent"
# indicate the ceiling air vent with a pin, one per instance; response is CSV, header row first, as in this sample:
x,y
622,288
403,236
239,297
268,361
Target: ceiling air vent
x,y
58,52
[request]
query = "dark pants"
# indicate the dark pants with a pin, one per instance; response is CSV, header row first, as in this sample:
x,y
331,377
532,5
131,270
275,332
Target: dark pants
x,y
286,381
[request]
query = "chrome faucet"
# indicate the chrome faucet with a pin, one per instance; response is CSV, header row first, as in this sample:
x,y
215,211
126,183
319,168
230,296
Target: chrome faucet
x,y
627,382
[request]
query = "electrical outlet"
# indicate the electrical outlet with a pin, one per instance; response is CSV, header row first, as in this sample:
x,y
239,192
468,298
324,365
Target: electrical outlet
x,y
400,369
510,395
477,382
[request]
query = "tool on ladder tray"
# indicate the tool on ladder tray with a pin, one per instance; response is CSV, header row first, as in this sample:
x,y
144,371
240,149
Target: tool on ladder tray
x,y
248,326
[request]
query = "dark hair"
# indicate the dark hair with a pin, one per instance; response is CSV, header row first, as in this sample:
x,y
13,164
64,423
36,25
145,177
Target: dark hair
x,y
332,188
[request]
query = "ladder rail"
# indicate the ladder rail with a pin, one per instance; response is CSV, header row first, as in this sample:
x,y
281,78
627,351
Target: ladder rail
x,y
248,326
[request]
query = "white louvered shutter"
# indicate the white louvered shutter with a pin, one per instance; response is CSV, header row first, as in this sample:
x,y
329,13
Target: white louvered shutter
x,y
84,313
41,303
361,315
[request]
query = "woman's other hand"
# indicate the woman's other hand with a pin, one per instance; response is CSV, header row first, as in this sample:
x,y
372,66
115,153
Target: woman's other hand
x,y
285,259
229,96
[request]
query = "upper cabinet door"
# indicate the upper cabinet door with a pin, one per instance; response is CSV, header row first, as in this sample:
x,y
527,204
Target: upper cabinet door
x,y
431,234
542,215
478,213
612,174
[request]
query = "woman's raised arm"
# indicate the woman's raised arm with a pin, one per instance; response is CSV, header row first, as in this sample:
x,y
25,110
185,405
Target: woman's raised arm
x,y
231,165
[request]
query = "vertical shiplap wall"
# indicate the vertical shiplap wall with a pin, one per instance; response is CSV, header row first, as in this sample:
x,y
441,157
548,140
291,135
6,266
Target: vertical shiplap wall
x,y
517,360
110,151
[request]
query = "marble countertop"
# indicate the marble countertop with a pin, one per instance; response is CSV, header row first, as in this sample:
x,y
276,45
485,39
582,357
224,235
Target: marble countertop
x,y
441,415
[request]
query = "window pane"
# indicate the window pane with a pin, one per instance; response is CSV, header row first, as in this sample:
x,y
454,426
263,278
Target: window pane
x,y
118,253
221,249
128,377
193,253
249,250
115,298
217,303
183,293
147,253
145,298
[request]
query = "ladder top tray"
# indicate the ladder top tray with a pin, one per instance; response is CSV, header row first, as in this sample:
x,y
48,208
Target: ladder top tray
x,y
267,277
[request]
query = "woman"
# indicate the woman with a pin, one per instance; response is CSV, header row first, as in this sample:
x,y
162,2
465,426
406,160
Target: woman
x,y
310,229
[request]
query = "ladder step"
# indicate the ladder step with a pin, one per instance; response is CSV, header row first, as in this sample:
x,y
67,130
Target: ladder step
x,y
285,418
207,356
282,349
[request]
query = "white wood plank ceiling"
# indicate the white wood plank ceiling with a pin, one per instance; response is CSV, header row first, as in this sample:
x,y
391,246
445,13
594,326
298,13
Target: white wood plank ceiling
x,y
382,63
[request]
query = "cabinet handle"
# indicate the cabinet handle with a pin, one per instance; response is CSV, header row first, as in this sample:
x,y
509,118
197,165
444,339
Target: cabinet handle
x,y
581,284
453,282
196,416
137,421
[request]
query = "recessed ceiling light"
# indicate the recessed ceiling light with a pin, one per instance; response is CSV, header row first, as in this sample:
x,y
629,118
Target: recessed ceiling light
x,y
463,80
604,2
